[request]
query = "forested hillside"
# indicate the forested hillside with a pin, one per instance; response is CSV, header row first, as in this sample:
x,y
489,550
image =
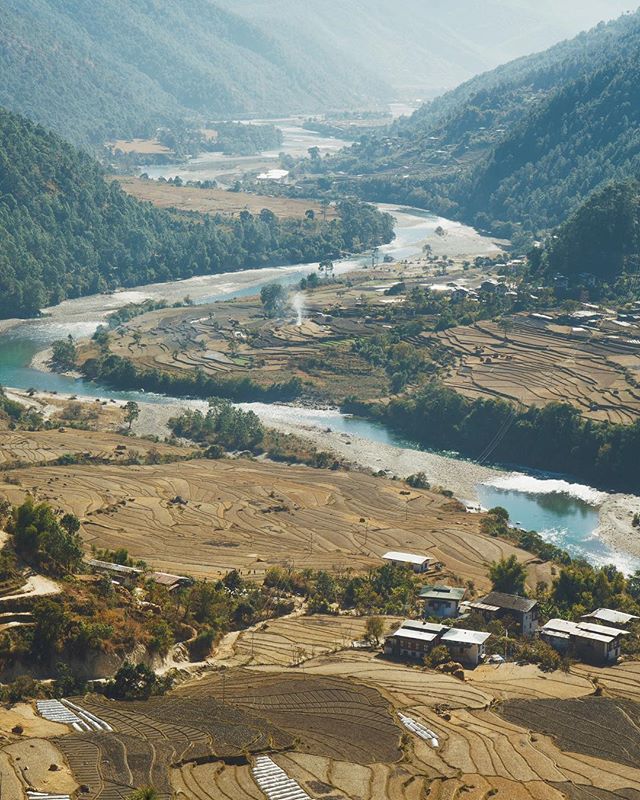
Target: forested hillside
x,y
65,231
92,70
602,237
522,145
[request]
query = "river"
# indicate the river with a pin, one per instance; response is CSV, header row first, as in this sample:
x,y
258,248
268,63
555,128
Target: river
x,y
563,513
222,168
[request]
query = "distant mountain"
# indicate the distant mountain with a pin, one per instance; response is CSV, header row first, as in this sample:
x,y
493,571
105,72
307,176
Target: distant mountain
x,y
424,47
96,69
521,145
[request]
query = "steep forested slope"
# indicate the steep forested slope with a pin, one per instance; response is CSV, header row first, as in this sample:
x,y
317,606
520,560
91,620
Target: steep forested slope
x,y
523,144
66,231
91,69
602,237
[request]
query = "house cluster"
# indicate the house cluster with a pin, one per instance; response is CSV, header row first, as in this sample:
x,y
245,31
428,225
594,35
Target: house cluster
x,y
128,576
415,639
596,638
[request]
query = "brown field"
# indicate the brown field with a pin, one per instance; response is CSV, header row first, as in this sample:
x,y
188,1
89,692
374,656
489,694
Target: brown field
x,y
289,641
584,725
217,201
41,447
332,726
247,515
235,339
622,680
537,365
327,716
478,748
141,146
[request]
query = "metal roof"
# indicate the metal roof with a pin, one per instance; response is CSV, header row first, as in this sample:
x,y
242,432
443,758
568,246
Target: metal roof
x,y
581,630
409,558
421,636
484,607
509,602
418,625
604,629
609,615
166,579
108,565
442,593
462,636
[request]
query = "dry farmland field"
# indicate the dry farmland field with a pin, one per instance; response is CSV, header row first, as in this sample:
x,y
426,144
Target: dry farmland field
x,y
233,339
217,201
140,146
252,515
28,448
291,640
539,364
332,725
584,725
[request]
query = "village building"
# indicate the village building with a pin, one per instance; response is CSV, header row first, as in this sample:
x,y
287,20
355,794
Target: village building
x,y
415,562
442,601
169,581
467,647
500,606
126,576
607,616
595,644
415,639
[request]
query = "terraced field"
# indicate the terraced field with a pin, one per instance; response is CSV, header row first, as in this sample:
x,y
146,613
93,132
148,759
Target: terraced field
x,y
234,339
43,447
333,727
477,747
621,681
584,725
539,364
287,642
217,781
332,717
246,515
150,736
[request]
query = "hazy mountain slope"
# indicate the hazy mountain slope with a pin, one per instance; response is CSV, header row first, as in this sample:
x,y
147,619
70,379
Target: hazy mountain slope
x,y
423,47
524,143
91,69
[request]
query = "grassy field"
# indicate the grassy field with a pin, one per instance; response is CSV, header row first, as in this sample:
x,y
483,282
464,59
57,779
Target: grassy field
x,y
217,201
